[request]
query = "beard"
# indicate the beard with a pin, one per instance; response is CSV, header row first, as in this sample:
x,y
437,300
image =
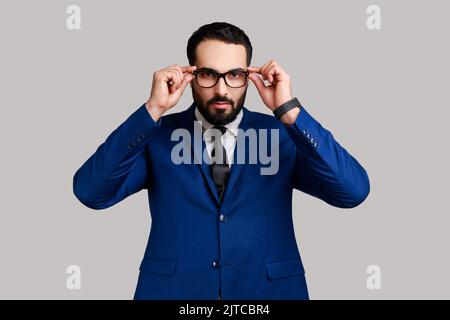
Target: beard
x,y
219,117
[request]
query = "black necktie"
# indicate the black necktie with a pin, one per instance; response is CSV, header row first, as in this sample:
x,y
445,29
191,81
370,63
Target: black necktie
x,y
219,170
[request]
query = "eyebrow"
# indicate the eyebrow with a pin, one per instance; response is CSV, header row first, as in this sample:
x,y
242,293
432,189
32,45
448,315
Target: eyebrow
x,y
212,70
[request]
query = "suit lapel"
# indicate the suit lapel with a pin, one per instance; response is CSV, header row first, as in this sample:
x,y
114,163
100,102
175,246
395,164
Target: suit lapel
x,y
186,120
236,167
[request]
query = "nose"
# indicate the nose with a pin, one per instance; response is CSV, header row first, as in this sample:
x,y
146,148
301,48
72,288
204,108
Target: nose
x,y
221,88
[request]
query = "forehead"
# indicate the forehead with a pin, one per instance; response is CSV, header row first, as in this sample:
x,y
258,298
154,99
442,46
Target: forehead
x,y
220,56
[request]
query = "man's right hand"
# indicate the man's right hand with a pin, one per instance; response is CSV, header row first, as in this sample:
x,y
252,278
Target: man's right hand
x,y
167,88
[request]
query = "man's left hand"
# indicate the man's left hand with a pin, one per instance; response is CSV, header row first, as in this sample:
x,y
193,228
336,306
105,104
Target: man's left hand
x,y
278,91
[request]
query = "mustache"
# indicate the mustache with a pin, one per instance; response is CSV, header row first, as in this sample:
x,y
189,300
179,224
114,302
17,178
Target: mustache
x,y
220,100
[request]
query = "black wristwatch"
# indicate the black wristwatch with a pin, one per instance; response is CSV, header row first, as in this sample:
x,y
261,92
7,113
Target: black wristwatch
x,y
285,107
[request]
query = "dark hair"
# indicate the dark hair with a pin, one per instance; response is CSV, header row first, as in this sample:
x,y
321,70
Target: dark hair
x,y
222,31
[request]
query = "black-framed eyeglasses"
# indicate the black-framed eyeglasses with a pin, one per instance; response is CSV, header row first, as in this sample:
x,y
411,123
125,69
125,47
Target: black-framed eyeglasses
x,y
208,78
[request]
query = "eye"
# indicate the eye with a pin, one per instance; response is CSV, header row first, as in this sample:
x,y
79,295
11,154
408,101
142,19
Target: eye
x,y
236,74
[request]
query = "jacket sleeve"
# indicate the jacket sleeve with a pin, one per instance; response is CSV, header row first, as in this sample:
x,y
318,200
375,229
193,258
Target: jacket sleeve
x,y
323,168
118,168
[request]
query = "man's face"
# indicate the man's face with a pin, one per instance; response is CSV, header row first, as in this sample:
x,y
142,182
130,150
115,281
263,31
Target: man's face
x,y
221,57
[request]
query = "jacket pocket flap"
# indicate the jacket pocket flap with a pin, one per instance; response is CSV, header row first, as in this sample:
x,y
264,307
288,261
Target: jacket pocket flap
x,y
283,269
164,267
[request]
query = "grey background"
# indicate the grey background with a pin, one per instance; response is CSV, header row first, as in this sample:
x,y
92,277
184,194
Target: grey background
x,y
383,94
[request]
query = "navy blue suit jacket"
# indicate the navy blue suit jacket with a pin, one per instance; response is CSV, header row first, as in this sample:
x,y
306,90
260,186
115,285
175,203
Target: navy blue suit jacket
x,y
244,247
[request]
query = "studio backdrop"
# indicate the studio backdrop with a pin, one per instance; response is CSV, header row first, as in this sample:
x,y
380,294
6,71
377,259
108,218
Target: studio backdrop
x,y
374,73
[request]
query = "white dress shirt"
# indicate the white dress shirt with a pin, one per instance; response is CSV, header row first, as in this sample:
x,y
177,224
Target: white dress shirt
x,y
228,139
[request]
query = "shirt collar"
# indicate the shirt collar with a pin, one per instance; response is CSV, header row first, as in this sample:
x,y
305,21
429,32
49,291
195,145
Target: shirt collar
x,y
231,126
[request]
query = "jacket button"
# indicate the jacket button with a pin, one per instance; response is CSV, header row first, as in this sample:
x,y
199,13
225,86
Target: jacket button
x,y
222,217
216,264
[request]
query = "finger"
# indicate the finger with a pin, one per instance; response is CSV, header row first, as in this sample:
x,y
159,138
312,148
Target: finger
x,y
187,78
188,68
180,75
180,79
268,74
254,69
169,76
172,80
271,72
265,68
259,83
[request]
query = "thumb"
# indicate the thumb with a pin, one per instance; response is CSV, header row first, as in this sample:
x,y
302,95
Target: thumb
x,y
259,83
